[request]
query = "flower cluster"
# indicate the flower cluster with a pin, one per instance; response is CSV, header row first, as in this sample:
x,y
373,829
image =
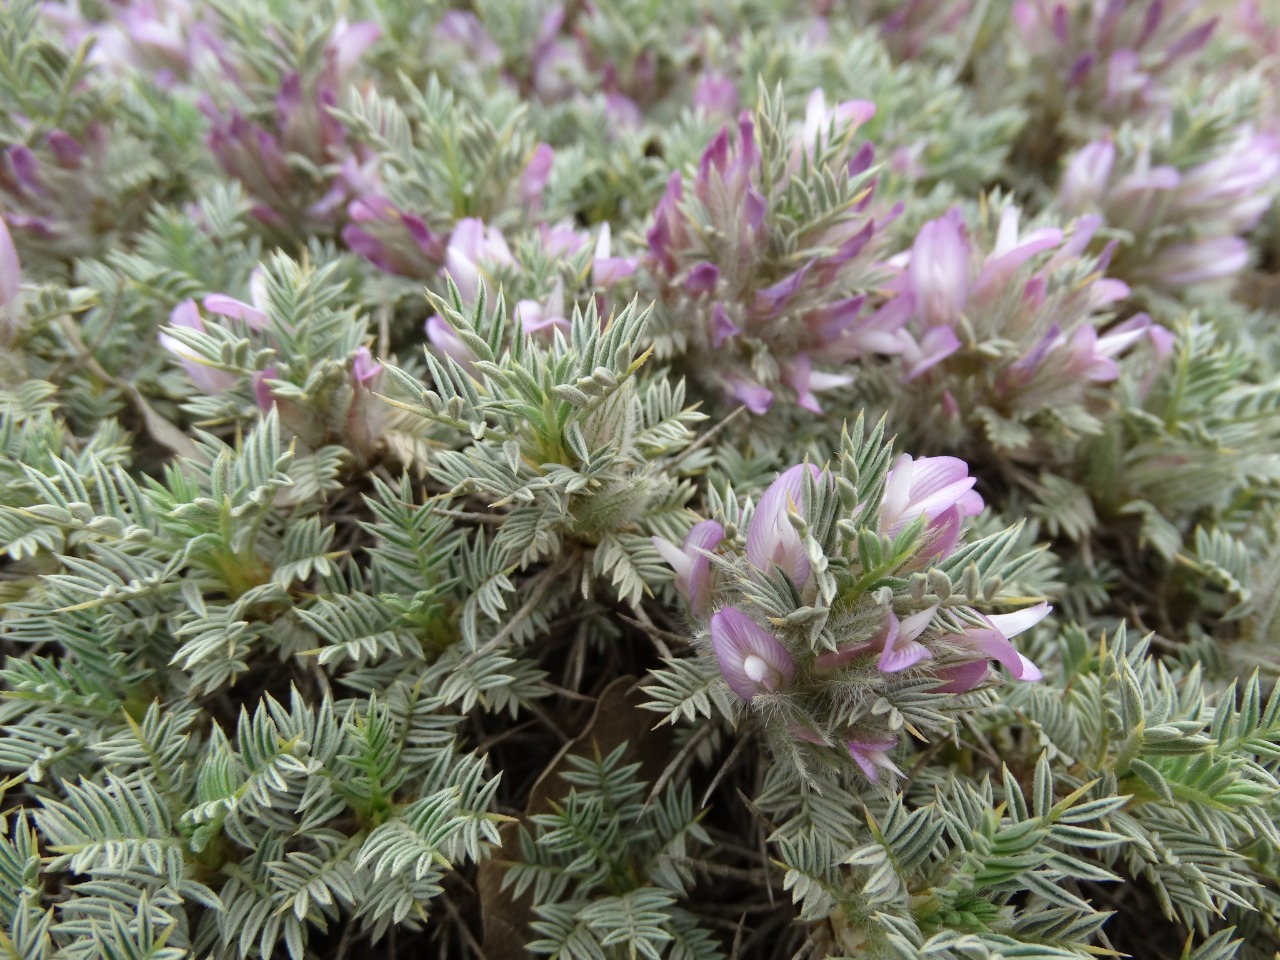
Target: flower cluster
x,y
1104,61
234,345
56,192
164,39
811,676
748,322
293,155
1016,333
476,254
1183,224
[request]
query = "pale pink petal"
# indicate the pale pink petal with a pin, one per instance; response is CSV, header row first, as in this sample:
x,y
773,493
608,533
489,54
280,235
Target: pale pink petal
x,y
236,309
1012,624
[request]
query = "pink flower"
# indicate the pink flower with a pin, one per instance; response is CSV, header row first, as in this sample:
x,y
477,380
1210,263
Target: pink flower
x,y
873,756
364,369
920,356
607,270
931,486
702,278
1234,188
209,379
771,539
962,677
722,329
691,564
819,122
716,94
226,306
445,339
393,240
668,232
992,639
350,41
1199,261
1010,253
472,249
1085,181
800,377
535,317
751,659
536,173
899,647
938,274
753,396
261,391
561,240
254,314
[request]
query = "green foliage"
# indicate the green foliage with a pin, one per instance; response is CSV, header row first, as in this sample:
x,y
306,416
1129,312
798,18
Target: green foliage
x,y
606,869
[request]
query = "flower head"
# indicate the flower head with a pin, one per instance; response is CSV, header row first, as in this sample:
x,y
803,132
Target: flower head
x,y
536,173
843,119
392,239
607,269
364,368
939,270
445,339
545,317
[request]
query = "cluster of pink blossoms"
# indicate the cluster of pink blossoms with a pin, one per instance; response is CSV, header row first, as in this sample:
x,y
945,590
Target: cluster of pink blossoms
x,y
352,412
756,662
1009,324
476,253
1185,226
1110,60
749,324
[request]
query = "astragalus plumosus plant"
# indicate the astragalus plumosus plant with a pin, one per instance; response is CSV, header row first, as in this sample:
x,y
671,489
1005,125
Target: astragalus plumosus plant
x,y
629,480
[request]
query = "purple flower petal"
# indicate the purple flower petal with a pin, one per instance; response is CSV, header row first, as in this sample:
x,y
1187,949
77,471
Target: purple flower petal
x,y
691,563
901,648
536,173
722,328
363,367
702,279
770,300
872,757
261,392
936,345
753,396
1087,177
961,678
751,659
